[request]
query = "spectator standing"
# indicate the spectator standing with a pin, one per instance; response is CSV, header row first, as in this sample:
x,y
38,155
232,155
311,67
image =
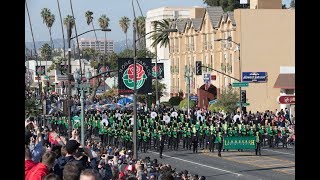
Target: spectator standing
x,y
43,168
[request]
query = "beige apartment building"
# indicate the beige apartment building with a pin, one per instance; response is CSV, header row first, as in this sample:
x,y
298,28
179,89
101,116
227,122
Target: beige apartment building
x,y
264,41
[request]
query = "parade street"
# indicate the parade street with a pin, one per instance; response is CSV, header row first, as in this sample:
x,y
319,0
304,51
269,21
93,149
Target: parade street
x,y
272,164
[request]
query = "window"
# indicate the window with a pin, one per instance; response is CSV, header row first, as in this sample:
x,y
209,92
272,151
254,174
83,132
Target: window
x,y
174,84
178,65
178,86
211,62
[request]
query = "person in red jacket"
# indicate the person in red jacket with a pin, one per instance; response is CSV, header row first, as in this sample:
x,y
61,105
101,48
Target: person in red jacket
x,y
28,163
43,168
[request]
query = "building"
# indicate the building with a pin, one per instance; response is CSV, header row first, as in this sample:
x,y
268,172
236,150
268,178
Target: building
x,y
163,52
54,77
263,41
97,45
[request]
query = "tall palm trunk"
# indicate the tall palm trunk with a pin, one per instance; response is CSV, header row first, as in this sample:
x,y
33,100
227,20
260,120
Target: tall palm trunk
x,y
95,35
127,41
35,50
52,47
64,43
75,29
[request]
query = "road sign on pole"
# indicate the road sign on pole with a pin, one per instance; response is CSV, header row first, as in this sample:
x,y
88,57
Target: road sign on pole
x,y
240,84
243,104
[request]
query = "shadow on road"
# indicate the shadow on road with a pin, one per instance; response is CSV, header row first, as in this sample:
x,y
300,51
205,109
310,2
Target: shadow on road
x,y
270,168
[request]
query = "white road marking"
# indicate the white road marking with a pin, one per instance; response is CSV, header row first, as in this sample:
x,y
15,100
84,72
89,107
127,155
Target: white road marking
x,y
198,164
279,152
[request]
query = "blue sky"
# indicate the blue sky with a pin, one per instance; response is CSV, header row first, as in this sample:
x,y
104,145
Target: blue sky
x,y
114,9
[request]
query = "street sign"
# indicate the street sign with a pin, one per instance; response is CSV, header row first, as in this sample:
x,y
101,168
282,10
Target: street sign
x,y
254,76
243,104
206,78
240,84
212,102
194,98
213,77
62,77
287,99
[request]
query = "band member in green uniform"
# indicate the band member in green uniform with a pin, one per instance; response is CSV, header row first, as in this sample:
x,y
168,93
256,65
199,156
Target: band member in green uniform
x,y
189,139
219,141
175,139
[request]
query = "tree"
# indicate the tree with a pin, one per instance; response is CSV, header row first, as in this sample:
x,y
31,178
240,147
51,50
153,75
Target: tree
x,y
141,32
293,4
227,5
46,52
160,37
161,88
48,18
124,23
284,6
184,104
143,53
64,43
104,24
56,64
69,19
228,100
89,19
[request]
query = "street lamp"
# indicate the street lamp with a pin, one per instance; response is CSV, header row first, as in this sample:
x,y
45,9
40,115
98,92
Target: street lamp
x,y
82,86
188,73
238,44
156,65
69,33
135,23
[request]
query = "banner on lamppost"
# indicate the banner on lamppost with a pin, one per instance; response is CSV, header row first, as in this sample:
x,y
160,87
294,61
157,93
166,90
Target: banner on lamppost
x,y
105,68
126,76
64,69
157,72
40,70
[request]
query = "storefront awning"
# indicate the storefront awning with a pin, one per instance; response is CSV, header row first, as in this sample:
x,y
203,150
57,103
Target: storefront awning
x,y
285,81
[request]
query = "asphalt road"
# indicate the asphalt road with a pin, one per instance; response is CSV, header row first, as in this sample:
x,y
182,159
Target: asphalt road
x,y
272,164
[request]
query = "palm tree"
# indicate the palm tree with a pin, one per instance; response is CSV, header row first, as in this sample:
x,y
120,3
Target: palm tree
x,y
46,52
34,46
48,18
104,24
160,37
124,23
89,19
61,23
69,20
141,31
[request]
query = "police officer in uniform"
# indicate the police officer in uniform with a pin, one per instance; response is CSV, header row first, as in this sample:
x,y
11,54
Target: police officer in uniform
x,y
161,144
258,143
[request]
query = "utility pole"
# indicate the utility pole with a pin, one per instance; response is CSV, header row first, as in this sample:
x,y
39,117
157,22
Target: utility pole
x,y
69,31
135,153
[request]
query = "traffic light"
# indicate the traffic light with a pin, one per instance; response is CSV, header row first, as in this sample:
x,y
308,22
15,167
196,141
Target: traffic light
x,y
198,68
243,96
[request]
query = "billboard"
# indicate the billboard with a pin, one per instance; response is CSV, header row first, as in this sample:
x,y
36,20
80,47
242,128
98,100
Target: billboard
x,y
126,76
